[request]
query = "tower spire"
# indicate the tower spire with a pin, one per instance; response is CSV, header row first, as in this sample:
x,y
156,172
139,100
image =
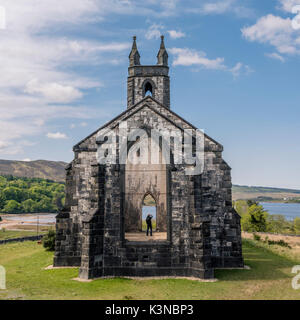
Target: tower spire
x,y
162,56
134,56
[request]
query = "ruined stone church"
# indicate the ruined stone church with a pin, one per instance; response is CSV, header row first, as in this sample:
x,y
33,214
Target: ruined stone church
x,y
100,229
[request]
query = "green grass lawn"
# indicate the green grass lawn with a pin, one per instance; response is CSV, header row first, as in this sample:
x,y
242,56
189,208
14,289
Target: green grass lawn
x,y
9,234
269,278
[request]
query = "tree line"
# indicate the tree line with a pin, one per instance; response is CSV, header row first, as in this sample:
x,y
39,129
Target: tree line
x,y
30,195
254,218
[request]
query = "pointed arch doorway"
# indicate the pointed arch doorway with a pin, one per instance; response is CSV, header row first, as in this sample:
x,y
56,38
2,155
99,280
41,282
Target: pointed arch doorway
x,y
145,191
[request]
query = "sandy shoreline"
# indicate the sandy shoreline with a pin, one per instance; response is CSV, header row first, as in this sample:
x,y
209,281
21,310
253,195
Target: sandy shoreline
x,y
26,221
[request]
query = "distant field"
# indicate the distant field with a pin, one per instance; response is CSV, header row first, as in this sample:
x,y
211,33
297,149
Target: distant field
x,y
246,192
270,277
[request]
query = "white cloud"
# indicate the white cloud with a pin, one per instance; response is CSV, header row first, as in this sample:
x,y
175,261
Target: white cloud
x,y
236,69
275,31
37,65
56,135
154,31
81,124
24,117
287,5
275,56
217,7
26,160
176,34
189,57
53,92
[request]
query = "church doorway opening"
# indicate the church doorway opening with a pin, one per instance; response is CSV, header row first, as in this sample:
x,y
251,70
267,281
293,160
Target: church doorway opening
x,y
145,186
149,208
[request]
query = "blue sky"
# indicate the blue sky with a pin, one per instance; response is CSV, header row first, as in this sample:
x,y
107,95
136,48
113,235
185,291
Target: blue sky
x,y
234,68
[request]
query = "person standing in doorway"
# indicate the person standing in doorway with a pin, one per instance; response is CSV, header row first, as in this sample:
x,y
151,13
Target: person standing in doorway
x,y
149,224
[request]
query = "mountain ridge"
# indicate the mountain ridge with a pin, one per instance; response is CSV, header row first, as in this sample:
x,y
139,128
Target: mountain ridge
x,y
52,170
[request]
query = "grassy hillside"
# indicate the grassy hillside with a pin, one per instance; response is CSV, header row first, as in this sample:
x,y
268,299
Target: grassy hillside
x,y
52,170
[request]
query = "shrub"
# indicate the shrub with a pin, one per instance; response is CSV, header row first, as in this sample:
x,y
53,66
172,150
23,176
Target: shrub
x,y
278,224
281,243
12,206
49,241
256,237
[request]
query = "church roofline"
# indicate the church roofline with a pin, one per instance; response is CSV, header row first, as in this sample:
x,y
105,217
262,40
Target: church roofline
x,y
149,65
136,104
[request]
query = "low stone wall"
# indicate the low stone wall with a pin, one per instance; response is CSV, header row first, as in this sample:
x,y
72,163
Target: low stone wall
x,y
32,238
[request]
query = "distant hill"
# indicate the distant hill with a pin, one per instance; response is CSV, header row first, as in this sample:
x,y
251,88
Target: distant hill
x,y
263,193
53,170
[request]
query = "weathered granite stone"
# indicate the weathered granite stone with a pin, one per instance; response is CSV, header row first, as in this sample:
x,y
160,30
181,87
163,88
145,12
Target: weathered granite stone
x,y
104,201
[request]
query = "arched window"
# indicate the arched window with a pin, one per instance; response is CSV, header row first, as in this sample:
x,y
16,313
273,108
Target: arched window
x,y
148,90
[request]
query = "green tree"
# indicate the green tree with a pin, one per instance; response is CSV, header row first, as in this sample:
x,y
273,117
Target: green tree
x,y
251,203
45,205
18,184
241,207
29,206
2,201
13,193
255,220
296,224
12,206
34,194
277,223
3,182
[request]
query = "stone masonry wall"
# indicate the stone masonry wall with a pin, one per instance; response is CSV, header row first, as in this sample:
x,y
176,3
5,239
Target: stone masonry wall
x,y
203,229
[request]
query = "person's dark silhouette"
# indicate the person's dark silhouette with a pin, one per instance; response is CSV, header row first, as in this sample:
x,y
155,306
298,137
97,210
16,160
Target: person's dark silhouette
x,y
149,224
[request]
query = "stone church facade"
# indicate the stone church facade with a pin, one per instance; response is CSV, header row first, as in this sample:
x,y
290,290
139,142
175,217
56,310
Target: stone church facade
x,y
104,201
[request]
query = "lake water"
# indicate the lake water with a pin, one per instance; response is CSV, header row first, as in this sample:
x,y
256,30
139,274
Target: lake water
x,y
289,210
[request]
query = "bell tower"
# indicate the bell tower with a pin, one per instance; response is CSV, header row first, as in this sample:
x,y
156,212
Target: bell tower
x,y
148,80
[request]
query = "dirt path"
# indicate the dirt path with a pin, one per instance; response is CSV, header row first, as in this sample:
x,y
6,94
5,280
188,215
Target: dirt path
x,y
293,241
